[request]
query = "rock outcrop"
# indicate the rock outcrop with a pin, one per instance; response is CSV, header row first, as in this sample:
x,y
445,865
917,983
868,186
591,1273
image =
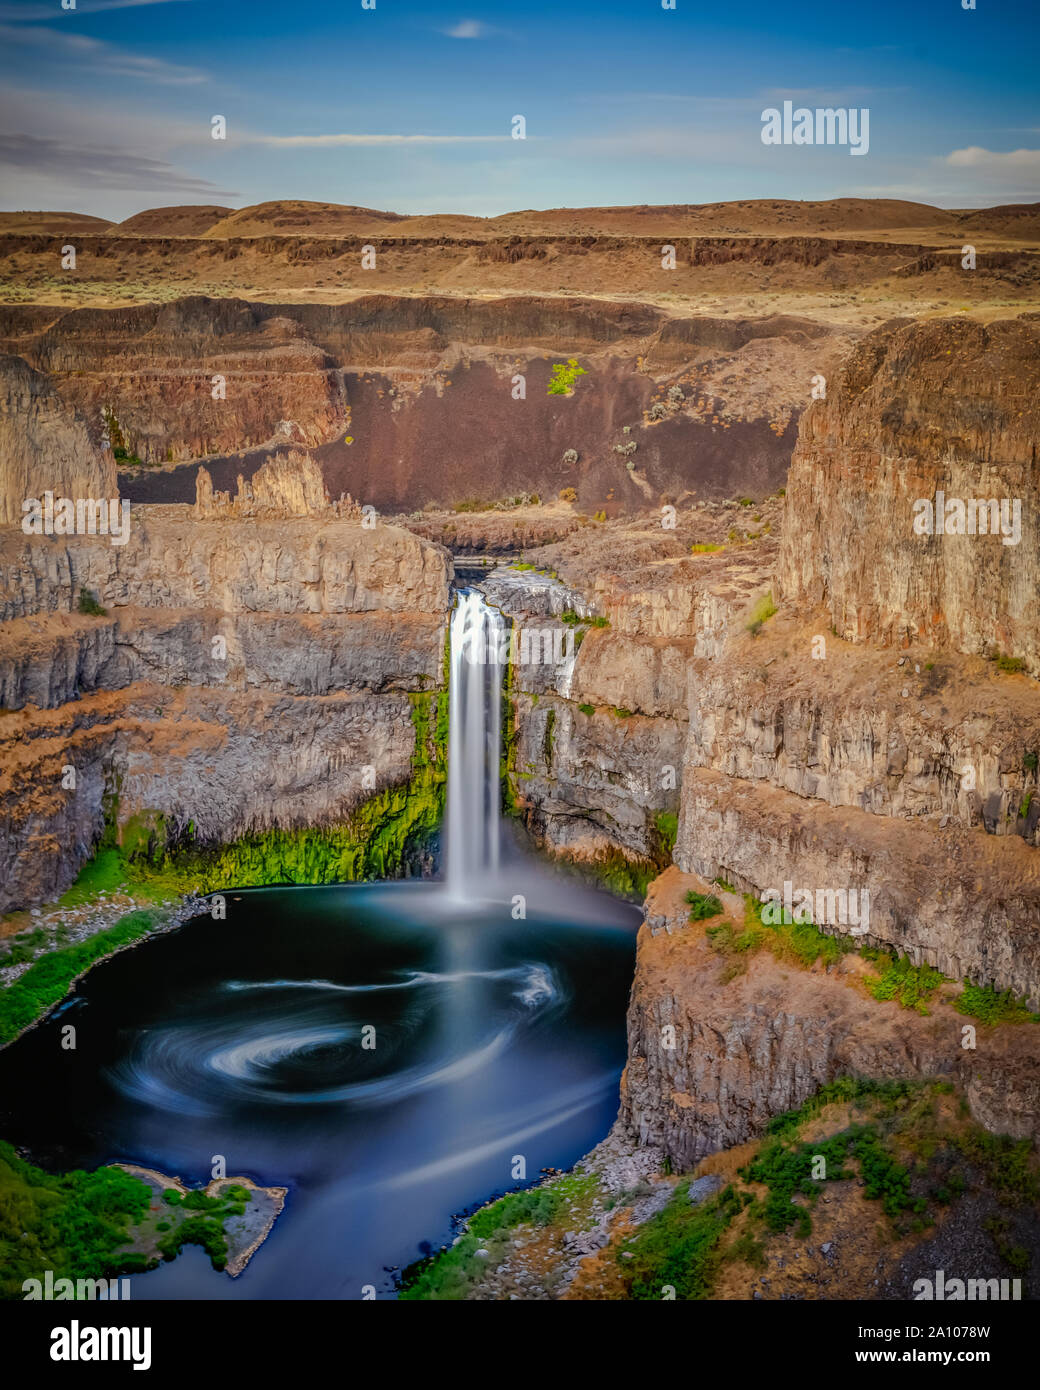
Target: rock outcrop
x,y
712,1060
45,444
940,415
218,682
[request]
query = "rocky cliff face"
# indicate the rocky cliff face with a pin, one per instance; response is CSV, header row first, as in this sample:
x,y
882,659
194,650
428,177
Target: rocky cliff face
x,y
184,380
415,400
945,409
712,1059
45,443
813,753
235,683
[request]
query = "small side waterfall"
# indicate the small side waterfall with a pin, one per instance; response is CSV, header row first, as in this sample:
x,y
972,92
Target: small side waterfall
x,y
474,733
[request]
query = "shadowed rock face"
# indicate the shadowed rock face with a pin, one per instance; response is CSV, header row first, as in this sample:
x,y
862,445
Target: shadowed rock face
x,y
413,401
946,406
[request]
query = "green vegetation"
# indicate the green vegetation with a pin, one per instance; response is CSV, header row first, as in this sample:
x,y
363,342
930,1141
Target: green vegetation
x,y
702,906
587,709
762,611
680,1246
73,1224
564,376
23,947
801,943
48,979
667,826
453,1274
913,986
1012,665
153,864
911,1150
703,548
121,451
1023,809
88,604
205,1226
621,713
507,769
992,1006
625,878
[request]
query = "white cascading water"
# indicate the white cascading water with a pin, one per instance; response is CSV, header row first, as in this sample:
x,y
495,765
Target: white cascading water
x,y
474,729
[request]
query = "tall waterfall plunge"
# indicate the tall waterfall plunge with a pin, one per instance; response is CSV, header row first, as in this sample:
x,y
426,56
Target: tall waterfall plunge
x,y
474,733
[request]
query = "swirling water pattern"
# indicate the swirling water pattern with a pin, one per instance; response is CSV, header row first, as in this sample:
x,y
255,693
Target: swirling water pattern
x,y
494,1040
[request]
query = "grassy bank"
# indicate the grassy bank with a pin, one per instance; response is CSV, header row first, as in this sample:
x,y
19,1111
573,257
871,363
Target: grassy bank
x,y
141,859
864,1170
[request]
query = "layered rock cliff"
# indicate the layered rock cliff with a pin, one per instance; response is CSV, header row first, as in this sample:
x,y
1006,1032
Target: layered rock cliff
x,y
209,680
814,754
940,414
45,444
411,400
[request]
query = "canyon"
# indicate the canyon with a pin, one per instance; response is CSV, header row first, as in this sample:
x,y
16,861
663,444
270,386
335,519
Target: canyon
x,y
774,677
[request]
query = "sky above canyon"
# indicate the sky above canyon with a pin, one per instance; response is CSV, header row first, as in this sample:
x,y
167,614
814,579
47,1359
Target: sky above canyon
x,y
107,108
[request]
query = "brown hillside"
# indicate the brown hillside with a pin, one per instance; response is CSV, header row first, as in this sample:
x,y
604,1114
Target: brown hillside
x,y
287,217
192,219
51,223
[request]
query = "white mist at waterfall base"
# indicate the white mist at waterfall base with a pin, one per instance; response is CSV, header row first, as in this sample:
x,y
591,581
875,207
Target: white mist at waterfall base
x,y
483,864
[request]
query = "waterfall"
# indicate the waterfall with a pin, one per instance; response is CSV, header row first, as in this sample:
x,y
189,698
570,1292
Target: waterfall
x,y
474,734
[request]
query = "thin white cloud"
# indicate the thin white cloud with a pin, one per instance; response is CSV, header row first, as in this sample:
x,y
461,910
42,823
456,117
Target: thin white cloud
x,y
99,57
1014,162
469,29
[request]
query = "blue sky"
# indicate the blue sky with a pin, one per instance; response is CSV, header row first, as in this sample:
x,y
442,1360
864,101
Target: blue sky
x,y
107,108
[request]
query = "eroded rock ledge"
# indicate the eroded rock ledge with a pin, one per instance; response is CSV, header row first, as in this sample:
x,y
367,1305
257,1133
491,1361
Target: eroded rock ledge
x,y
761,1043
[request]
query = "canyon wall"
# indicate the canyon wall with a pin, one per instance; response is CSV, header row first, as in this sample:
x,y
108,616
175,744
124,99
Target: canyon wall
x,y
857,732
211,679
713,1055
947,408
45,443
413,401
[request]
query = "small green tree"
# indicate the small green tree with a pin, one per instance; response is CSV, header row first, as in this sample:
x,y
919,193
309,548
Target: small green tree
x,y
564,375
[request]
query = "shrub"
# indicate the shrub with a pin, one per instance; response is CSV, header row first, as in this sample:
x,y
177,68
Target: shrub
x,y
702,906
587,709
667,823
913,986
89,604
1011,664
760,613
989,1005
564,376
568,494
72,1223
